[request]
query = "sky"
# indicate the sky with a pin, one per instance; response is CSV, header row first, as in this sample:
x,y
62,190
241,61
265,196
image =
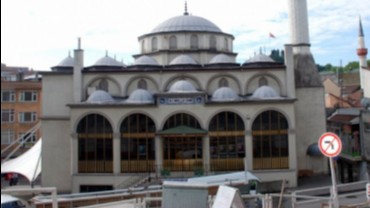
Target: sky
x,y
40,33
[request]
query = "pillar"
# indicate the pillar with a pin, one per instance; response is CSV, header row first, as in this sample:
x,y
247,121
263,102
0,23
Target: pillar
x,y
248,142
74,153
158,143
116,153
206,154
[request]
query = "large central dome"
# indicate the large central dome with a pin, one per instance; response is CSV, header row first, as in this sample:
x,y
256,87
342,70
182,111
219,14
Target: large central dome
x,y
186,23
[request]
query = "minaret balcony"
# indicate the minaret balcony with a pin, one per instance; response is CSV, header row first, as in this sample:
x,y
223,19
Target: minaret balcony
x,y
362,51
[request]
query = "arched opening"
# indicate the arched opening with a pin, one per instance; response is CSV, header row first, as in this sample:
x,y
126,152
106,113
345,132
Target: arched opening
x,y
154,44
194,43
227,145
182,142
226,45
223,82
212,42
270,141
95,145
137,144
103,85
173,42
142,84
262,82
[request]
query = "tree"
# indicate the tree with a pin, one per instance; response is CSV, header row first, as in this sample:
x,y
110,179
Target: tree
x,y
351,66
277,55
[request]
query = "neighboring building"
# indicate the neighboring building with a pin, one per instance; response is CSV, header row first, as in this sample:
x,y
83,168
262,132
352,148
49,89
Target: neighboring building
x,y
351,118
183,108
21,100
348,96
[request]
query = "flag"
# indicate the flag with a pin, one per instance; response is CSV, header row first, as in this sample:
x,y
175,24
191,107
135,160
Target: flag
x,y
272,35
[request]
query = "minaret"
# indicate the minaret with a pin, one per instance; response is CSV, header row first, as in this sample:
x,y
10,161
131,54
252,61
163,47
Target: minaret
x,y
309,108
77,72
364,68
306,73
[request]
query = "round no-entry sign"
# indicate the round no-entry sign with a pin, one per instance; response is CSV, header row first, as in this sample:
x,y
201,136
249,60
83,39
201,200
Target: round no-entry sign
x,y
330,144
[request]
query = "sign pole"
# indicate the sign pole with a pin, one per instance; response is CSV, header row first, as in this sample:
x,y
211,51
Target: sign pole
x,y
334,182
331,145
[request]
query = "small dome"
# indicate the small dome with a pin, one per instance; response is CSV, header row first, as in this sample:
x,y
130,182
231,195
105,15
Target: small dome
x,y
108,61
186,23
140,96
146,60
221,59
67,62
183,60
182,86
260,58
100,96
225,94
265,92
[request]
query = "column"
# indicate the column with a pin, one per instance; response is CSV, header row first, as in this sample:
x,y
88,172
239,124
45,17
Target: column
x,y
206,154
248,141
116,153
158,154
74,153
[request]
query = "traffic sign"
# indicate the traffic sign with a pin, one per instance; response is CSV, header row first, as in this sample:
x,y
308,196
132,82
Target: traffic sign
x,y
330,144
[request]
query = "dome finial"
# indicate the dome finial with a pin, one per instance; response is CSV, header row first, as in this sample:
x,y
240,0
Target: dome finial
x,y
186,8
106,53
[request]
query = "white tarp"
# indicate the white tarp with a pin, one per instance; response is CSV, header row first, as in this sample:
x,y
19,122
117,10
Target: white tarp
x,y
28,164
236,177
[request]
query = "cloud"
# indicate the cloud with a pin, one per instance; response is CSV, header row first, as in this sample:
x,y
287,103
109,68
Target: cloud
x,y
39,33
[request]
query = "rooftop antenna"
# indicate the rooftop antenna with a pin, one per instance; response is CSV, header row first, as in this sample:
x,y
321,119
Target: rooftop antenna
x,y
186,8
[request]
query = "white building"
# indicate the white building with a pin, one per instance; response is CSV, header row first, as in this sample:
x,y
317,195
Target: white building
x,y
184,106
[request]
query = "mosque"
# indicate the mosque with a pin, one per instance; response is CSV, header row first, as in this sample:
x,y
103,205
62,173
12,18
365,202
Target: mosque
x,y
184,108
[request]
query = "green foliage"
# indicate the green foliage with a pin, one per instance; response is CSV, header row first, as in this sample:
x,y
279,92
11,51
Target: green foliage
x,y
277,55
353,65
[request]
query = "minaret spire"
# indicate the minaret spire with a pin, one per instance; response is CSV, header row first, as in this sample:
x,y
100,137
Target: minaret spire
x,y
186,8
360,30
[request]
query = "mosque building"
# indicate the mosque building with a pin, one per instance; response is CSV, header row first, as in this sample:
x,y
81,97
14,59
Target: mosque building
x,y
184,107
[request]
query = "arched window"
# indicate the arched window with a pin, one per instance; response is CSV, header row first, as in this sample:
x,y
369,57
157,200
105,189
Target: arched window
x,y
212,42
270,141
223,82
143,46
154,44
173,42
226,132
262,82
194,43
137,144
181,119
226,45
103,85
142,84
182,143
95,145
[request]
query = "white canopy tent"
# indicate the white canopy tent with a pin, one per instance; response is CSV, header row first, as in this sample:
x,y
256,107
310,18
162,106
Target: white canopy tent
x,y
28,164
